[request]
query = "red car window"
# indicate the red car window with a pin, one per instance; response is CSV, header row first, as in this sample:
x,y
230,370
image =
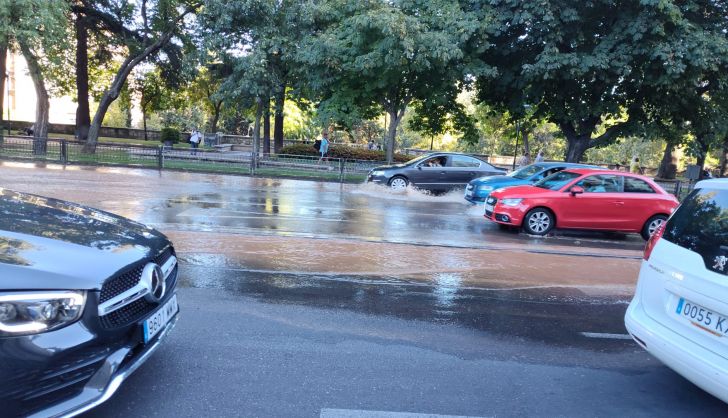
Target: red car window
x,y
601,183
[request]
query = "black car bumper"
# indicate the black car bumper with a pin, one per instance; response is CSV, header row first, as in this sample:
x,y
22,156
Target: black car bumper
x,y
70,370
377,179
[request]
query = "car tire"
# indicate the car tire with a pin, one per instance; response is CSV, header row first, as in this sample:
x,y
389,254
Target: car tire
x,y
539,221
398,183
651,226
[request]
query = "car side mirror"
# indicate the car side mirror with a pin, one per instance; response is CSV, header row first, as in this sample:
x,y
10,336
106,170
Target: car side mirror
x,y
576,190
419,166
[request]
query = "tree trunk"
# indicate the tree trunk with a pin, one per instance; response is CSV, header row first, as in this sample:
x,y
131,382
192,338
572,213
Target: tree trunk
x,y
723,154
83,112
113,92
144,123
256,130
394,118
703,150
524,138
40,130
576,147
266,126
668,168
3,79
280,100
216,108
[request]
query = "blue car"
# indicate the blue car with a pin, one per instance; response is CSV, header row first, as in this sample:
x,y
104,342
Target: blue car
x,y
479,189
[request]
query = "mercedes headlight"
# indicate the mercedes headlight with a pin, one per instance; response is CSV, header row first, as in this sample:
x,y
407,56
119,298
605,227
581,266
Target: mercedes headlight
x,y
485,188
511,202
23,313
378,173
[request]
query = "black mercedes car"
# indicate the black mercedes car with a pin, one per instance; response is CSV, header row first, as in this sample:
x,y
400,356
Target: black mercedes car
x,y
85,298
437,172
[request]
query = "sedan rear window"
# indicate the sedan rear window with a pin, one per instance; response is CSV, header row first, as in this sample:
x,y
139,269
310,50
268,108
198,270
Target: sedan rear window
x,y
557,181
701,225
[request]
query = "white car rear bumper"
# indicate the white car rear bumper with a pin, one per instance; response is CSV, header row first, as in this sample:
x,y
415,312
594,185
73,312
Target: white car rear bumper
x,y
703,367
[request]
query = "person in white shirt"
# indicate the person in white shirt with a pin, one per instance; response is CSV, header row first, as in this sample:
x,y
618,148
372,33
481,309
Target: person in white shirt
x,y
195,138
539,157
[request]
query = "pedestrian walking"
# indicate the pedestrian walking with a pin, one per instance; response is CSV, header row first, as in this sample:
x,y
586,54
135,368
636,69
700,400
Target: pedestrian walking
x,y
524,160
195,138
324,147
539,157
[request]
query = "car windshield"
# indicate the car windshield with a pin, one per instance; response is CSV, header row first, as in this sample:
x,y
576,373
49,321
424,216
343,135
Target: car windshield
x,y
526,172
701,225
557,181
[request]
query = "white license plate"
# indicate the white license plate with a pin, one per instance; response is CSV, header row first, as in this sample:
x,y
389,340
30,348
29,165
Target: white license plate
x,y
159,320
489,207
469,193
702,318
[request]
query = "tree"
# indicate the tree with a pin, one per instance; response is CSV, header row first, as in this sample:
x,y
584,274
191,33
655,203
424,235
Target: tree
x,y
382,56
38,29
205,88
150,90
270,30
146,27
591,67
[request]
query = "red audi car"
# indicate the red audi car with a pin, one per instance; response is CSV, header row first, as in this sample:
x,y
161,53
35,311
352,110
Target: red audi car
x,y
583,199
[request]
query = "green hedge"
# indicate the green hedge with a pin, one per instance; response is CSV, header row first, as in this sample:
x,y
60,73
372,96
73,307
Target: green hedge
x,y
342,151
169,134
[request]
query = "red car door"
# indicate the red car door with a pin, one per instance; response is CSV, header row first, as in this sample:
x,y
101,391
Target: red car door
x,y
640,202
601,206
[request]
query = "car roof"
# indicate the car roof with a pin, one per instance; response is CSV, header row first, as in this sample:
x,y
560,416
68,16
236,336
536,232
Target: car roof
x,y
598,170
563,164
721,184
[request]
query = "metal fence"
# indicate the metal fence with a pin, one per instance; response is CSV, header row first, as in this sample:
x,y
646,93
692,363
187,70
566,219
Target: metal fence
x,y
235,162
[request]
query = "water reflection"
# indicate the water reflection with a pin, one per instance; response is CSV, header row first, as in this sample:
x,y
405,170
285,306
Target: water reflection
x,y
553,316
446,288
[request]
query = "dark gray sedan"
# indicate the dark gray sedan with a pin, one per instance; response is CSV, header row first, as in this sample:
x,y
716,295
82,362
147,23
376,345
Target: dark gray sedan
x,y
85,298
437,172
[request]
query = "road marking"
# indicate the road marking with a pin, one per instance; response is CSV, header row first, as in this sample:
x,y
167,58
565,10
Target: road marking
x,y
606,335
358,413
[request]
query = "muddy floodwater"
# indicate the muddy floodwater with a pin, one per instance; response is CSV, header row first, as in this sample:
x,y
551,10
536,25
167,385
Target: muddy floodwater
x,y
362,246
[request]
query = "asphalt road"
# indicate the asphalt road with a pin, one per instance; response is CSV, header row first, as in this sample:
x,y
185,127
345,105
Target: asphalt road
x,y
316,299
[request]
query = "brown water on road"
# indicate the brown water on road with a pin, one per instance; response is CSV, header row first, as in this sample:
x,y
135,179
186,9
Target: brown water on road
x,y
307,227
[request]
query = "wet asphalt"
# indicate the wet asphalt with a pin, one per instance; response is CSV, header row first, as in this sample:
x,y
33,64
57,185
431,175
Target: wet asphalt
x,y
318,299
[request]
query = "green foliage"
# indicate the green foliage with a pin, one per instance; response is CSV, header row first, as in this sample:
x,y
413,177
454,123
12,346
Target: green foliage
x,y
169,135
342,151
375,55
587,72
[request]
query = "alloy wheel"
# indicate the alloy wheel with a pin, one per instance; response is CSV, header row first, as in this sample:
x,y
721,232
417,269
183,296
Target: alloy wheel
x,y
539,222
655,225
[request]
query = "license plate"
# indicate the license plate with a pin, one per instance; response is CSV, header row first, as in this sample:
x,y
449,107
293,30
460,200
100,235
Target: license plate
x,y
702,317
159,319
489,207
469,193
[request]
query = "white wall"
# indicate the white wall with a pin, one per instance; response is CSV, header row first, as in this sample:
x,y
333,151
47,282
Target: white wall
x,y
22,96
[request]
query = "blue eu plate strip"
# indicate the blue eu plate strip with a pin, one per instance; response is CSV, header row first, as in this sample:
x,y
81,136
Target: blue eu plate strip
x,y
679,306
146,330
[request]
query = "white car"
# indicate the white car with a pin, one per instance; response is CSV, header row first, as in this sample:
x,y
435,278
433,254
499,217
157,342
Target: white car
x,y
680,309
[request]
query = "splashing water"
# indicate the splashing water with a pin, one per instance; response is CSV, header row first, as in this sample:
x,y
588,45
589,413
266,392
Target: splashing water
x,y
410,194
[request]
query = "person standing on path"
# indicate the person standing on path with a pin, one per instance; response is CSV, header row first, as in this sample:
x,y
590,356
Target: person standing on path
x,y
634,168
324,147
524,160
195,138
539,157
